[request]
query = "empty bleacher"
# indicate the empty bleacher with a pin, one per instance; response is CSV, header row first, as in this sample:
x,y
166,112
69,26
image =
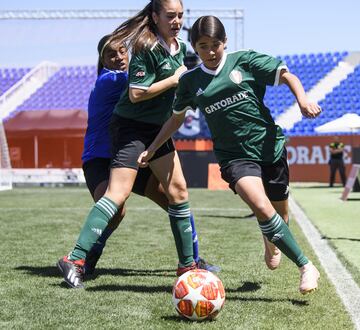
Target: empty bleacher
x,y
310,69
344,98
69,88
10,76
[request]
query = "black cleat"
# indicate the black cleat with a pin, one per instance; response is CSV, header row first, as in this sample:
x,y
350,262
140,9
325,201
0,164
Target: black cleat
x,y
72,271
202,264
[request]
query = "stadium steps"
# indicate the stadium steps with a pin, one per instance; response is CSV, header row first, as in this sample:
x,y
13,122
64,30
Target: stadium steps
x,y
25,87
345,67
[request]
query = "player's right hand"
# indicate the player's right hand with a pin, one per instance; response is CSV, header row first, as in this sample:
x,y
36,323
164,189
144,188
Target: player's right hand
x,y
179,71
145,156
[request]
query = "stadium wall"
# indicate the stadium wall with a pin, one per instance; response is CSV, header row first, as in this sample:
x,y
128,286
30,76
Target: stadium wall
x,y
46,149
308,158
308,155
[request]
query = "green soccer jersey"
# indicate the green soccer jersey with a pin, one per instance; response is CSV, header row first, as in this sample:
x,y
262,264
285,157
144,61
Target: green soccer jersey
x,y
231,98
146,68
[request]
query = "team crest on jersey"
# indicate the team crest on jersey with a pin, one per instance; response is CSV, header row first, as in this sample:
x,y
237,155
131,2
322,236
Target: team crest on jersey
x,y
236,76
140,74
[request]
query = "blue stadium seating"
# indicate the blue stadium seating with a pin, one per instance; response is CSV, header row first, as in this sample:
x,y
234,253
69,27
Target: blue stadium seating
x,y
70,87
10,76
309,68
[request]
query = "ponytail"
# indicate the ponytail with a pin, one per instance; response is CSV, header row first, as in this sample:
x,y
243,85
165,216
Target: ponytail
x,y
138,32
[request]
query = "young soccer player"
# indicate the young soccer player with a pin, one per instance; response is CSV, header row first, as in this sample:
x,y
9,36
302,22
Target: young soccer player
x,y
110,84
155,67
249,146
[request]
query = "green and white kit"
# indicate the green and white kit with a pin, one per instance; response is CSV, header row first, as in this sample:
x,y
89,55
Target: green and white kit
x,y
231,98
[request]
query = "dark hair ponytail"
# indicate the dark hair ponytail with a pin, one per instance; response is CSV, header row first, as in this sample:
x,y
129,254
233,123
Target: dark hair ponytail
x,y
209,26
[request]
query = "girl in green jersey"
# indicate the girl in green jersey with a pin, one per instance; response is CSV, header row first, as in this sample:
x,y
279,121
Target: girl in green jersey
x,y
249,146
154,70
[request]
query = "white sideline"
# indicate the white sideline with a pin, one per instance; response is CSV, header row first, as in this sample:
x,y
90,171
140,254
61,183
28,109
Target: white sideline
x,y
342,280
130,208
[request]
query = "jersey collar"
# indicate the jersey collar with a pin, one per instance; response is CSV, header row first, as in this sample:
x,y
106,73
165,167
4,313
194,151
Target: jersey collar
x,y
219,68
162,42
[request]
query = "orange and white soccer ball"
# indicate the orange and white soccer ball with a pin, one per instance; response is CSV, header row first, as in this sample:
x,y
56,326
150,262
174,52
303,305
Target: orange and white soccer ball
x,y
198,295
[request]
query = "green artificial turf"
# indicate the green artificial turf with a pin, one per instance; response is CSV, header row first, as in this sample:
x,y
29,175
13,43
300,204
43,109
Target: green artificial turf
x,y
132,288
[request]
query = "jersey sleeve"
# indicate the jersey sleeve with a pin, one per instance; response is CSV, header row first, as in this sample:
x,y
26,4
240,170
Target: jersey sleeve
x,y
183,100
266,69
141,71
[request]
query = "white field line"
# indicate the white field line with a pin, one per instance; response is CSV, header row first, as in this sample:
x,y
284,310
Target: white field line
x,y
130,208
342,280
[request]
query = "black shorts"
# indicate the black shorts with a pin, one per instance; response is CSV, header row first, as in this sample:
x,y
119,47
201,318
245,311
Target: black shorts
x,y
97,170
275,177
130,138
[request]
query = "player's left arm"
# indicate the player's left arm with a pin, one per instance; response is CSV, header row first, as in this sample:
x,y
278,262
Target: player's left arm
x,y
307,108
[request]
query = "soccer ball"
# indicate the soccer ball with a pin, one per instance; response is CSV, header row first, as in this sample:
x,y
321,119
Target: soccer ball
x,y
198,295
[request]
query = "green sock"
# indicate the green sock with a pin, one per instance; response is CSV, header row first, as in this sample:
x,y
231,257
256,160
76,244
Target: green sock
x,y
179,215
94,226
279,234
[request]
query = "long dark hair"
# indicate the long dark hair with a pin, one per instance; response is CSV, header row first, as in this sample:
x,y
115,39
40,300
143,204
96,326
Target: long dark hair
x,y
139,32
209,26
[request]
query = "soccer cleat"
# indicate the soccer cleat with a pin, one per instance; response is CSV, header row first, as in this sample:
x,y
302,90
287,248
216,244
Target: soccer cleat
x,y
72,271
309,276
272,255
183,270
202,264
90,262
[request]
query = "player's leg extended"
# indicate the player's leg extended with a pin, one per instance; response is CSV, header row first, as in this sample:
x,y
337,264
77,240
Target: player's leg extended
x,y
97,173
156,193
251,190
272,253
168,171
95,253
119,188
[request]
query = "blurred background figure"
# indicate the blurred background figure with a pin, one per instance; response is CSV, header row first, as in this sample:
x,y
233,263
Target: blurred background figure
x,y
336,161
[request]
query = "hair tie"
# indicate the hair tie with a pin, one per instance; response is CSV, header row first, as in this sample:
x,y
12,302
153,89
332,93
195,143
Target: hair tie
x,y
103,47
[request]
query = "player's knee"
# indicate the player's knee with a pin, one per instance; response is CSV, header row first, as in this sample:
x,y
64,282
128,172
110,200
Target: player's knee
x,y
263,208
178,192
118,197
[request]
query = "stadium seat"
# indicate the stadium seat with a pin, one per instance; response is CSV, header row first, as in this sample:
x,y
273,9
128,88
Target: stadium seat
x,y
309,67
